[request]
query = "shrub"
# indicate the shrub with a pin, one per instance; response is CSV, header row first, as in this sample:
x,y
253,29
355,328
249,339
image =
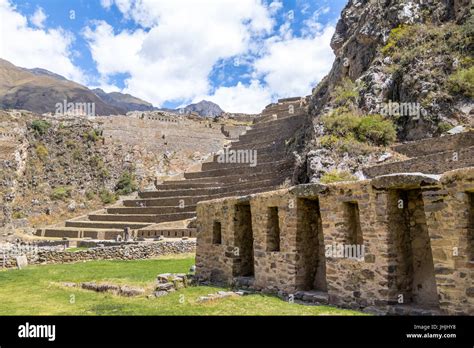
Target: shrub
x,y
96,162
90,195
346,93
92,135
341,122
462,82
41,151
443,127
126,184
396,36
377,130
61,193
107,197
40,126
374,129
18,215
337,176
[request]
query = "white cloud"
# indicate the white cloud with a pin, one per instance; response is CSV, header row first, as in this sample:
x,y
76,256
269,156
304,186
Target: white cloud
x,y
114,53
241,98
292,67
38,18
30,47
106,3
172,60
275,6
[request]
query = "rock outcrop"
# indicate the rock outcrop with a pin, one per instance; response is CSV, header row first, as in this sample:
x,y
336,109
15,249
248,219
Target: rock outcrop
x,y
404,51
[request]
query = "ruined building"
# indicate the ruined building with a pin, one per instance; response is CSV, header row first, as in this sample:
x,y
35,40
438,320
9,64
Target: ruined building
x,y
400,243
175,200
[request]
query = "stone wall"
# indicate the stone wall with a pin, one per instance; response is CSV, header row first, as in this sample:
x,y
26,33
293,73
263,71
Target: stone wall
x,y
439,144
435,163
129,251
399,244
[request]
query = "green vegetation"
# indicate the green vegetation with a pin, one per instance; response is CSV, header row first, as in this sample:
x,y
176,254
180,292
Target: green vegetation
x,y
446,49
443,127
396,36
98,164
61,193
37,290
351,126
462,82
337,176
407,42
348,129
40,126
107,197
346,93
126,184
41,151
92,136
70,144
376,130
74,250
90,195
18,215
345,144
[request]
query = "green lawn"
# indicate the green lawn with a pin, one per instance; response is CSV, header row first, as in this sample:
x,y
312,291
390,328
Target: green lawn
x,y
37,290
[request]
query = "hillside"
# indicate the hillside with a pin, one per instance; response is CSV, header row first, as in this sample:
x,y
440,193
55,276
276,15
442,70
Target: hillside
x,y
39,92
125,102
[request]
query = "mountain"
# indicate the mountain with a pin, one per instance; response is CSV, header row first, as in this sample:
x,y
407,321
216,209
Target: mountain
x,y
204,108
44,72
123,101
38,90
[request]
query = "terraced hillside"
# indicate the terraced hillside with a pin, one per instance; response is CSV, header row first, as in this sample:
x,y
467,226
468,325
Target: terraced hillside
x,y
176,200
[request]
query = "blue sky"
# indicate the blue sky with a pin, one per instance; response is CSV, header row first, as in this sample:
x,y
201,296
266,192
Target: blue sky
x,y
241,54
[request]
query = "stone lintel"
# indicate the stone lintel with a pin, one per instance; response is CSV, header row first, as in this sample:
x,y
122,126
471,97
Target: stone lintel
x,y
405,180
308,190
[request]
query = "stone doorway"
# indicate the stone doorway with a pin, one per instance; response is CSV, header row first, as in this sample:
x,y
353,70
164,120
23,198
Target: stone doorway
x,y
243,241
310,246
412,270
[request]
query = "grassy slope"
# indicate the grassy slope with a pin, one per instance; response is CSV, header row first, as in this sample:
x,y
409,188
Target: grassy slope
x,y
37,291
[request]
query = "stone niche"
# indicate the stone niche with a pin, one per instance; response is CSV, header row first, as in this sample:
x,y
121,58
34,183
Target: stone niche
x,y
243,241
401,244
413,279
311,271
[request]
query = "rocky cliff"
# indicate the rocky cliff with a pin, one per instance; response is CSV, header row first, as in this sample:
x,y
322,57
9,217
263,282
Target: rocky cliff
x,y
406,52
404,70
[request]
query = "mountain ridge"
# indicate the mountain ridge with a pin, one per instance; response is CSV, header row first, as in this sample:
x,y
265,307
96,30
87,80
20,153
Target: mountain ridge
x,y
39,90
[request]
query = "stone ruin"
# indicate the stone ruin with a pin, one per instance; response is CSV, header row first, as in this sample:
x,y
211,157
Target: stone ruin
x,y
396,244
152,213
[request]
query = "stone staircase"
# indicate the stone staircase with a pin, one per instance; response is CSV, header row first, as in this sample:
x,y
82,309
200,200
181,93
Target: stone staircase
x,y
152,213
430,156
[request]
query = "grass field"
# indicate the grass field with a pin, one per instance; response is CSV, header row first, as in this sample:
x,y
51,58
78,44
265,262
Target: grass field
x,y
37,290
